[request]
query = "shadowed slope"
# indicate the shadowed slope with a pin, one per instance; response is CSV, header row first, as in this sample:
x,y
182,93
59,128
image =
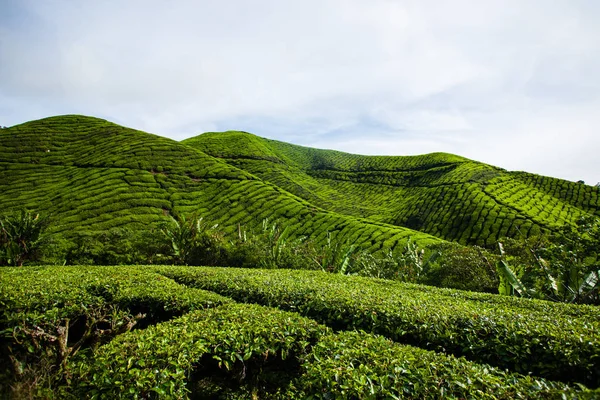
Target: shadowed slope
x,y
442,194
93,175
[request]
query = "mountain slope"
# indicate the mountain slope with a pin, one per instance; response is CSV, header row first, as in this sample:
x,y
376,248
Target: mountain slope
x,y
93,175
442,194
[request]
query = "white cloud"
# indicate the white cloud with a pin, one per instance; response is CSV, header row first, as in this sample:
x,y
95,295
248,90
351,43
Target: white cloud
x,y
507,82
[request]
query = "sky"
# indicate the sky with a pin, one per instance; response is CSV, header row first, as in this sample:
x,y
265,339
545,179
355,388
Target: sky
x,y
513,83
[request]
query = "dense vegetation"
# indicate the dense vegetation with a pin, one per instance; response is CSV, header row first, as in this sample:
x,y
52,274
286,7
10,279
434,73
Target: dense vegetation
x,y
90,176
287,322
126,332
445,195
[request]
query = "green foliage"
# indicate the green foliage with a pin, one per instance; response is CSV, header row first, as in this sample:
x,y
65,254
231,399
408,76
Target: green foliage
x,y
335,256
352,365
109,188
114,332
117,246
271,247
194,241
49,315
238,340
21,236
461,267
410,265
93,176
444,195
551,340
564,267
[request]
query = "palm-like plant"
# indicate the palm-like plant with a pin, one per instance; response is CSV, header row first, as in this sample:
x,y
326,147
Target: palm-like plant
x,y
335,256
567,270
20,237
189,236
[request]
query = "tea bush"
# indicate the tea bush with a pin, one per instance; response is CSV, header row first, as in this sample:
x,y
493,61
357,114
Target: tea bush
x,y
51,314
180,358
354,365
551,340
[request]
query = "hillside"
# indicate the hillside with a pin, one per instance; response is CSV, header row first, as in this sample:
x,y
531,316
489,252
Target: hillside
x,y
441,194
268,330
92,175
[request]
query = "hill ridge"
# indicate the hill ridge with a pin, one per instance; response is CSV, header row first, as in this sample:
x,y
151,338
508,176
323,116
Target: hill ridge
x,y
99,176
120,176
331,178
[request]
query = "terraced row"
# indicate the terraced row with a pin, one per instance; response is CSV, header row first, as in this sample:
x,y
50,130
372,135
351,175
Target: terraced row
x,y
79,199
540,207
235,144
92,175
576,194
73,140
210,347
443,195
446,211
555,341
97,176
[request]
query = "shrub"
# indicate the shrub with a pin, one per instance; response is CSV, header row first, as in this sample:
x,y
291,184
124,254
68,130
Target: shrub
x,y
353,365
550,340
51,314
465,268
21,236
194,241
562,267
118,246
202,352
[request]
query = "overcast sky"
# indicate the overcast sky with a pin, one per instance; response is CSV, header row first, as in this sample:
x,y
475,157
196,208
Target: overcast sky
x,y
514,83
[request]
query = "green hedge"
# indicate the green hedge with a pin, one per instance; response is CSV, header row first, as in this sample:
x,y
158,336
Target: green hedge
x,y
221,349
48,315
201,354
554,341
357,365
46,295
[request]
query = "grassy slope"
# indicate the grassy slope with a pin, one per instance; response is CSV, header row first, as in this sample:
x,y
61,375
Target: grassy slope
x,y
445,195
93,175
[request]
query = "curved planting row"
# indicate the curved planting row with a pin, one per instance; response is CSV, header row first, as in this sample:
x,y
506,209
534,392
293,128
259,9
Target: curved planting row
x,y
236,144
576,194
220,349
443,195
48,315
250,351
540,207
75,140
545,339
201,355
353,365
90,175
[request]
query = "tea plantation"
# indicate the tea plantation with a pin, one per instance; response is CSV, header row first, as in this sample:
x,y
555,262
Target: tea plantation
x,y
194,332
92,175
306,319
441,194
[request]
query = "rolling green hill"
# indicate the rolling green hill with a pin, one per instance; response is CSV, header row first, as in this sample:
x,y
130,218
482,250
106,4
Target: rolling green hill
x,y
93,175
441,194
208,332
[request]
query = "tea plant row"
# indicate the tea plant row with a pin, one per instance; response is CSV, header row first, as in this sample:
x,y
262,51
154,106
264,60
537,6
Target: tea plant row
x,y
131,332
556,341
